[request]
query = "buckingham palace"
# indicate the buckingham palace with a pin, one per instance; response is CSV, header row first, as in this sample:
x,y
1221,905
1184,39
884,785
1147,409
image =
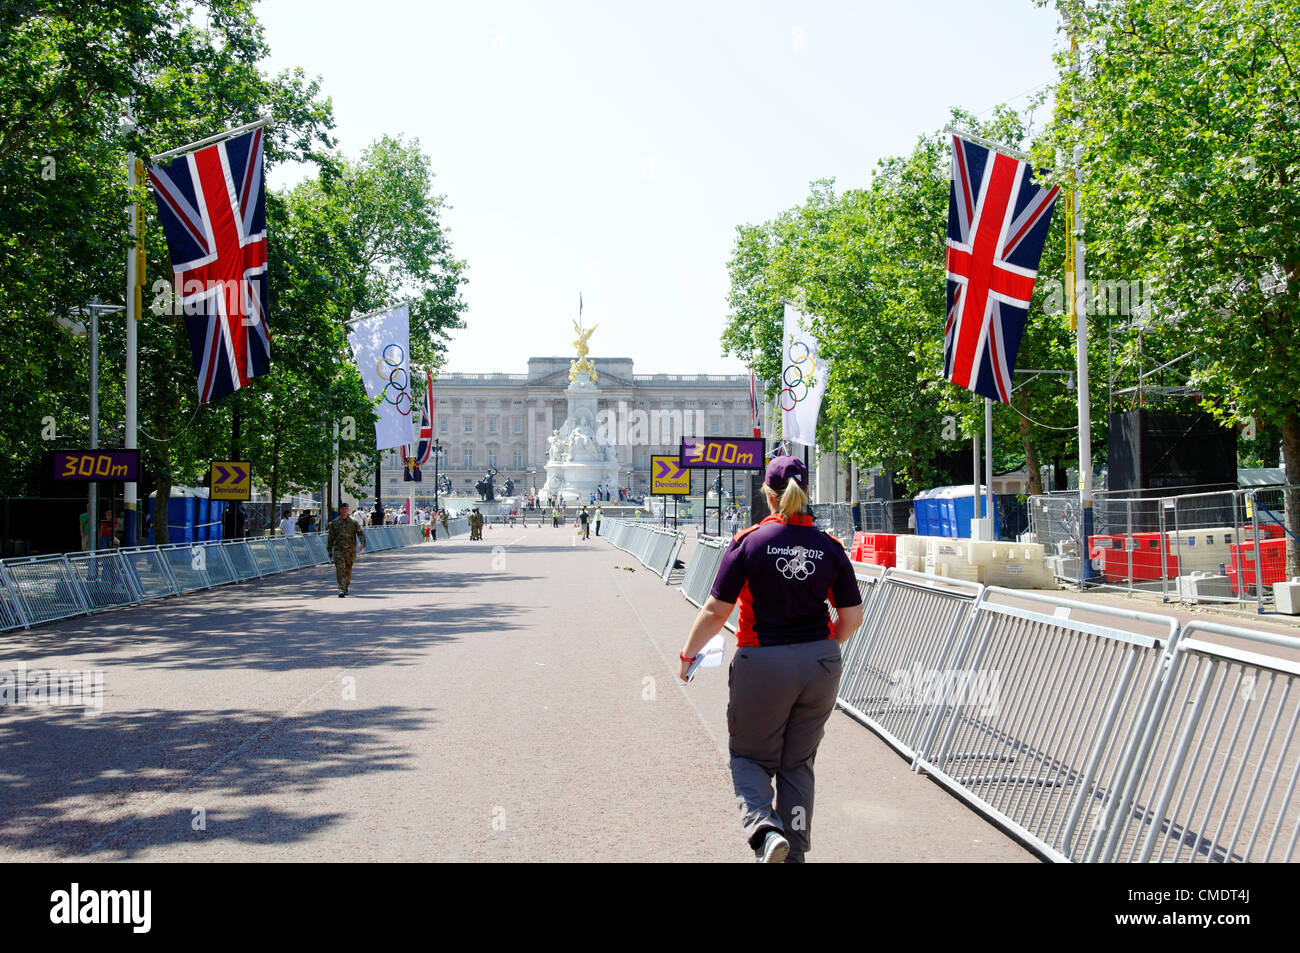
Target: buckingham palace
x,y
502,421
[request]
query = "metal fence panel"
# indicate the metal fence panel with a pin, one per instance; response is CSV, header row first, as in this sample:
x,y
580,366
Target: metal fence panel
x,y
105,578
217,564
1038,717
10,611
301,550
1217,782
46,587
284,555
241,559
153,579
316,548
187,564
703,568
911,627
264,555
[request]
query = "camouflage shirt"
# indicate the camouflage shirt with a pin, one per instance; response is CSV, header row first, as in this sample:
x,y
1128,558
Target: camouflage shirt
x,y
344,533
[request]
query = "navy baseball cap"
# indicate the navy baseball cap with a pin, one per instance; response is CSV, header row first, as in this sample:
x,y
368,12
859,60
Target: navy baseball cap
x,y
781,469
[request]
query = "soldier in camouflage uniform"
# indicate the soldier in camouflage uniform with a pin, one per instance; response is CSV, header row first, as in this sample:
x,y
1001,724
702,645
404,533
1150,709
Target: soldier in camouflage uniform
x,y
342,546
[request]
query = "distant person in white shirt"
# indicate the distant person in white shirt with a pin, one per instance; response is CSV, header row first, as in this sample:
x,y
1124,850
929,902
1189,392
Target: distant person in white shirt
x,y
287,526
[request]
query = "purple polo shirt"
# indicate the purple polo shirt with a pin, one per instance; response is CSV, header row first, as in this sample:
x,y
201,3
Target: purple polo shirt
x,y
781,573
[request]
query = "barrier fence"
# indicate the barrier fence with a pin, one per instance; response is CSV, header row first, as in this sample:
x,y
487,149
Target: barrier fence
x,y
1225,546
38,589
1092,733
656,548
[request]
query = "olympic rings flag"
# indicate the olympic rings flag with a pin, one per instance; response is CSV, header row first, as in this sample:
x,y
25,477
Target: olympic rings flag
x,y
803,380
381,345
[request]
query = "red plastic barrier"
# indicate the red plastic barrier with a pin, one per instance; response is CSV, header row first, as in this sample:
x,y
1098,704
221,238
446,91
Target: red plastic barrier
x,y
880,549
855,553
1272,558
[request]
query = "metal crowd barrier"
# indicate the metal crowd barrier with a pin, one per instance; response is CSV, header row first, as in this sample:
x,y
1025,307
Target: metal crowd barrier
x,y
703,568
105,578
655,547
1216,779
36,589
1039,710
1092,733
45,588
912,624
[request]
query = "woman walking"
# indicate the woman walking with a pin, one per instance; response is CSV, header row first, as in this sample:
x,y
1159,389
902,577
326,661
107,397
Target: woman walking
x,y
786,669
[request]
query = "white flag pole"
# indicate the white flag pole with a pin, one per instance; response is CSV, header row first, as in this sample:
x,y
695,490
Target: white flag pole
x,y
991,533
219,137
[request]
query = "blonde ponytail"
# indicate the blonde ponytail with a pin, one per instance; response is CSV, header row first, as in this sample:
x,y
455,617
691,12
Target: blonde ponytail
x,y
792,501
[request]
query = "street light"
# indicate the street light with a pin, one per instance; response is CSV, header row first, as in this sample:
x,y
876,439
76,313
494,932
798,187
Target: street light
x,y
437,452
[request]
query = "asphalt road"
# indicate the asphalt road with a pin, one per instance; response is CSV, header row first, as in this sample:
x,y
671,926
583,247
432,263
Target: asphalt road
x,y
513,699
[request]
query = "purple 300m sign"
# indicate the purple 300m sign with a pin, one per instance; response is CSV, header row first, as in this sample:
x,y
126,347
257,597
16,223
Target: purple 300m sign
x,y
96,465
722,453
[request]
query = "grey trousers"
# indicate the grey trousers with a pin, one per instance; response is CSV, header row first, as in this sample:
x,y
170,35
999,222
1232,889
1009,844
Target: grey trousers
x,y
781,696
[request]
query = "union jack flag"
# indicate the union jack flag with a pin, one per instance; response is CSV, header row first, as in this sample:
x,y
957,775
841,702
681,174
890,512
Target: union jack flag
x,y
424,445
998,218
212,204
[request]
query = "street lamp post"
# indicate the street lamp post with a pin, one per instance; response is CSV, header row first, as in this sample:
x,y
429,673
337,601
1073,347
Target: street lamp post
x,y
437,452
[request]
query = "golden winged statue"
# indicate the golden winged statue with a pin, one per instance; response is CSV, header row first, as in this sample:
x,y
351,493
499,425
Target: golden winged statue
x,y
582,363
583,337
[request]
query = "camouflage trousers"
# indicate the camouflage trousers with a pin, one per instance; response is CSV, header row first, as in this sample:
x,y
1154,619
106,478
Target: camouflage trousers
x,y
343,559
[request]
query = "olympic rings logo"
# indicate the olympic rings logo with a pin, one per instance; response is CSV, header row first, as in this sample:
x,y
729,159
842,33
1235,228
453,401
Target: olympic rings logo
x,y
395,379
796,567
798,376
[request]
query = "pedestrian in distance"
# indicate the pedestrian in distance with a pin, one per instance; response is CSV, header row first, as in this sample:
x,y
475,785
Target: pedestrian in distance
x,y
585,520
345,533
442,518
286,523
106,530
785,672
599,514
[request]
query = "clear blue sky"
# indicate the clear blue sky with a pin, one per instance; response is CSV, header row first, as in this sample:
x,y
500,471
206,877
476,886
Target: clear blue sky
x,y
612,148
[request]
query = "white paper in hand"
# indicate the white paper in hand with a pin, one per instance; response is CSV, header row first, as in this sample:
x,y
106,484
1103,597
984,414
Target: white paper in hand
x,y
708,657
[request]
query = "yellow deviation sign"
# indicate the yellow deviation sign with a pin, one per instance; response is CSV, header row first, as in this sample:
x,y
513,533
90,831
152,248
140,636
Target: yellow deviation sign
x,y
667,477
230,480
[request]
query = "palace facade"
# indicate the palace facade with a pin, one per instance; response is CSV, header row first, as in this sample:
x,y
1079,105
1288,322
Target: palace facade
x,y
504,420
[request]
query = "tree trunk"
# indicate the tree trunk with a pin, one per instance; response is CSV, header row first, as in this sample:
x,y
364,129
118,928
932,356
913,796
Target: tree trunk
x,y
1291,460
1032,466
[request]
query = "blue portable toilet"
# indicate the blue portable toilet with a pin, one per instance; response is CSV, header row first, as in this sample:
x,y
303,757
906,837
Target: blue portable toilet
x,y
927,514
216,518
183,514
964,509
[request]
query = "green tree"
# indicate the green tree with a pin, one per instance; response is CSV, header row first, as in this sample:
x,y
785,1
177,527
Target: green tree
x,y
1186,120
